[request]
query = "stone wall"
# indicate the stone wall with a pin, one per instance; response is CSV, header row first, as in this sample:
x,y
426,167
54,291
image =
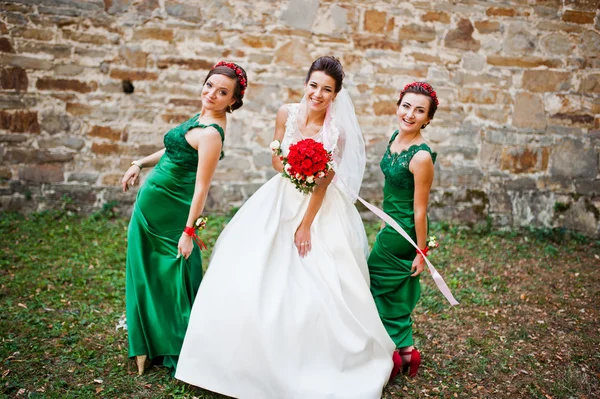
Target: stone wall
x,y
87,86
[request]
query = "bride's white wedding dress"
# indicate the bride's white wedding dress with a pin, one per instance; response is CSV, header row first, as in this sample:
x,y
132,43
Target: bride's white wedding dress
x,y
267,324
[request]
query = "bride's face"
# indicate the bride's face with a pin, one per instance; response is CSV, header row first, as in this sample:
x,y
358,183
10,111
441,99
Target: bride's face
x,y
319,90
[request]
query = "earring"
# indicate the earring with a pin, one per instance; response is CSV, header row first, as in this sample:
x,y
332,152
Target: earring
x,y
425,125
229,109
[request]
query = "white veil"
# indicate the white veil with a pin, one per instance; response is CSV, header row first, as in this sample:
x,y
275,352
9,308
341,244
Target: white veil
x,y
342,135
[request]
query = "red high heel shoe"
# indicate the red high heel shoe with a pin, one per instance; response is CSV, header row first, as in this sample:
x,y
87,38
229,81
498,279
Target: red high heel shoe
x,y
397,365
413,365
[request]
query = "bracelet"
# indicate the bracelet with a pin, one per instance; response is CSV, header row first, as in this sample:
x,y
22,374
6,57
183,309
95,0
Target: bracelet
x,y
190,231
424,251
137,163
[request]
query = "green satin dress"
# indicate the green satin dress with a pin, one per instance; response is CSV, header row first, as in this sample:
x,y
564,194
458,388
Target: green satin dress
x,y
395,292
160,289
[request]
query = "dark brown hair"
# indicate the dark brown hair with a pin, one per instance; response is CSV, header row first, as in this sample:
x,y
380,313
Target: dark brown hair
x,y
331,66
237,90
424,89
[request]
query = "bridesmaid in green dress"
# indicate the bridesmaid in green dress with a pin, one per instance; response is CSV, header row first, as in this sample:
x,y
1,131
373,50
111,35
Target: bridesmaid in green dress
x,y
394,265
164,266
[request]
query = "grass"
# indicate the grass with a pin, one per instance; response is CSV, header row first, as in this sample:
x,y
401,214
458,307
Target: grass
x,y
527,325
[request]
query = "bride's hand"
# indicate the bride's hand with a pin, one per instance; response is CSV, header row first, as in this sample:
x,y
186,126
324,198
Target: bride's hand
x,y
302,240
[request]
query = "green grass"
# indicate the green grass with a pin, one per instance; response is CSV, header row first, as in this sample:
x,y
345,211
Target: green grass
x,y
527,325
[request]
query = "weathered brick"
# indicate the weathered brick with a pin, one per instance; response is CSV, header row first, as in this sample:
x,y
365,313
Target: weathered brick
x,y
262,41
546,81
20,121
487,26
133,56
174,118
590,83
462,37
65,85
186,102
573,158
375,21
87,38
529,111
57,50
108,133
153,34
35,34
49,173
584,5
573,119
111,179
68,69
363,42
105,148
83,177
434,16
426,58
521,62
187,12
579,17
116,6
525,159
483,96
79,109
500,12
418,32
75,143
294,52
384,108
14,79
188,63
3,29
123,74
24,62
6,46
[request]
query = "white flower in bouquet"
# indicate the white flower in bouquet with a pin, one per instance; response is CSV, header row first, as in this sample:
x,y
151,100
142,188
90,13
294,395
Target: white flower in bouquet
x,y
310,179
275,145
287,167
321,174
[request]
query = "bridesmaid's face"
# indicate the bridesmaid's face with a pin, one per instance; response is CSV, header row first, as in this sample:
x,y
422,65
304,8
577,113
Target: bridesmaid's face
x,y
217,93
319,90
412,112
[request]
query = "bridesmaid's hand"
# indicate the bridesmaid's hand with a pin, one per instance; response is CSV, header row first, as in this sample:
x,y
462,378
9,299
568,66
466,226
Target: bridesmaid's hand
x,y
418,265
131,177
185,246
302,240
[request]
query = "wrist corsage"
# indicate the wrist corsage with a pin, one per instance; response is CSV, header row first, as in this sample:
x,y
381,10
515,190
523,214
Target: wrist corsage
x,y
432,243
199,225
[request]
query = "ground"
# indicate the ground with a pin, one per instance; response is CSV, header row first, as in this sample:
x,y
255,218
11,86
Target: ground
x,y
527,325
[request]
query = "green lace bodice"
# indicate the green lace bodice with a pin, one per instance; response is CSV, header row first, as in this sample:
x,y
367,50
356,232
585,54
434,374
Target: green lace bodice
x,y
395,165
179,150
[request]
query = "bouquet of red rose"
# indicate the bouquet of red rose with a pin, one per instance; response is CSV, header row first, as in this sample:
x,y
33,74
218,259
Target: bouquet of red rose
x,y
307,160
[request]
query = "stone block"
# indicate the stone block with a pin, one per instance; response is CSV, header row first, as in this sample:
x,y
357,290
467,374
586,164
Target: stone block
x,y
96,39
72,142
384,108
83,177
124,74
417,32
521,62
300,14
24,62
14,79
501,12
578,17
56,50
574,159
153,34
546,81
68,69
583,5
375,21
65,85
133,56
525,159
20,121
364,42
6,46
581,215
590,43
54,122
483,96
262,41
590,83
107,132
462,37
485,27
532,208
105,148
294,52
332,22
529,111
116,6
187,63
34,34
49,173
520,39
435,16
558,43
183,10
573,119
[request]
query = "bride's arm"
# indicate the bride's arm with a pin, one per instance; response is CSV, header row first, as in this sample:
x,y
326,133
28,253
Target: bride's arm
x,y
282,115
302,236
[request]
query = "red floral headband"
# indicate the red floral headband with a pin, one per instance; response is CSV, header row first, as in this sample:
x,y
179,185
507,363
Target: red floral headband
x,y
427,88
238,71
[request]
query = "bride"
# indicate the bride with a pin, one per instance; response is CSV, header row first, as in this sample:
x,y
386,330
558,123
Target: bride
x,y
285,310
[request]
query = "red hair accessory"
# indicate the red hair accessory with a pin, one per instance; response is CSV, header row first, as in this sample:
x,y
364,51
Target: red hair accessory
x,y
238,71
427,88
